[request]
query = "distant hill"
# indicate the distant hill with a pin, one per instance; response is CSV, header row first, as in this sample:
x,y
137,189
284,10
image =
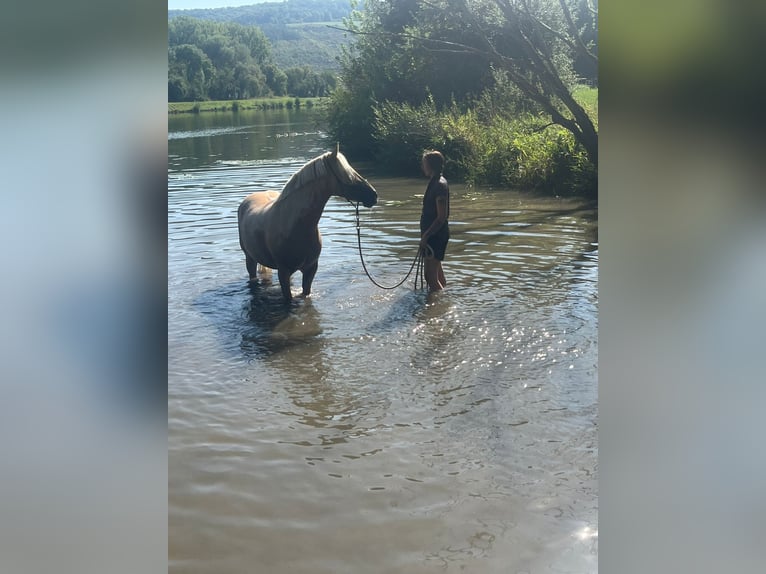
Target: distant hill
x,y
297,29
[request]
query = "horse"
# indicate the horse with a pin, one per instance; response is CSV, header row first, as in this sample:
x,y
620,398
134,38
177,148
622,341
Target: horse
x,y
279,230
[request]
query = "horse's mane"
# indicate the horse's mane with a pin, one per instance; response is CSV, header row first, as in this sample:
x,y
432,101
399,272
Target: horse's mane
x,y
311,171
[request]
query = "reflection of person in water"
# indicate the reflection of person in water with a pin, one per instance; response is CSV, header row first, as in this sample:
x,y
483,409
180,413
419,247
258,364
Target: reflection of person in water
x,y
434,226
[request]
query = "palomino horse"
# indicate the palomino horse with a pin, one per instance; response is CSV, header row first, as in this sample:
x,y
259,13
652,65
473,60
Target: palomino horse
x,y
279,230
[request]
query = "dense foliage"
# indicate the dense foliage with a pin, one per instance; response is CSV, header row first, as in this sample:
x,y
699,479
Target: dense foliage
x,y
272,13
490,82
303,82
225,61
220,60
297,29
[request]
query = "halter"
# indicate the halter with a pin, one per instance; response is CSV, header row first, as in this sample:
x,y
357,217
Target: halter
x,y
338,179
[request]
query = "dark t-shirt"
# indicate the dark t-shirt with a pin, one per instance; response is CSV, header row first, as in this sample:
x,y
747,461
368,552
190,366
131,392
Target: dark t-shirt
x,y
437,187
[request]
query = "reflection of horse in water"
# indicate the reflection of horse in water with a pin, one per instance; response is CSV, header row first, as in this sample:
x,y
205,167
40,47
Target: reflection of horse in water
x,y
279,230
277,326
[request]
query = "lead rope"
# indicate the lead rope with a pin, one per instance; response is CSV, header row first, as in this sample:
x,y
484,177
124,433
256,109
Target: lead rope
x,y
418,261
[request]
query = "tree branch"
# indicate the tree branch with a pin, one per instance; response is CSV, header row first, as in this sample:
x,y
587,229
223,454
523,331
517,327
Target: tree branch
x,y
542,128
583,49
563,37
457,46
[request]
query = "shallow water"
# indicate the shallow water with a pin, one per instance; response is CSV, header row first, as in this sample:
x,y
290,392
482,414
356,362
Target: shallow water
x,y
365,430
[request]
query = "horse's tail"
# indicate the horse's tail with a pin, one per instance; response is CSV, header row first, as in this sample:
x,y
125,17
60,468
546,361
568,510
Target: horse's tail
x,y
239,210
240,213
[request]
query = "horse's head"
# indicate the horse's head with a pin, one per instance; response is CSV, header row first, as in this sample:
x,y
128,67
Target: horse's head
x,y
351,185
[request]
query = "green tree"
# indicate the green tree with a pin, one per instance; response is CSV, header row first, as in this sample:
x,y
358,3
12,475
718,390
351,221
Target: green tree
x,y
303,82
535,42
275,78
183,30
190,72
219,60
407,50
389,57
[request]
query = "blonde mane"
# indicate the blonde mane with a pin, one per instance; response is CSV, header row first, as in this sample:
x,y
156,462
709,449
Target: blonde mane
x,y
310,172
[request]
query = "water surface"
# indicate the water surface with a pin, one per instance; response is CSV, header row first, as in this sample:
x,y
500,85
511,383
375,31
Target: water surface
x,y
365,430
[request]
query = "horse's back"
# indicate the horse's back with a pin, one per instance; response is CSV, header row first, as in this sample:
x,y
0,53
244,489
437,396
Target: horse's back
x,y
256,201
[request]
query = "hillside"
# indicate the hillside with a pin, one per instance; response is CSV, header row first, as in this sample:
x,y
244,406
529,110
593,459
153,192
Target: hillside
x,y
297,29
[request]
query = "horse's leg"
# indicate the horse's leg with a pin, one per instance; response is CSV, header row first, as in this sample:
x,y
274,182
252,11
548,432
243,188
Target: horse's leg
x,y
252,266
284,283
308,278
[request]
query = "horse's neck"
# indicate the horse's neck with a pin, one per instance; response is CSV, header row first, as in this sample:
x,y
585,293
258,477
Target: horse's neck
x,y
305,206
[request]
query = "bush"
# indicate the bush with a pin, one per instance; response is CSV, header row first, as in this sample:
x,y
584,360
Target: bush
x,y
402,132
524,153
550,159
350,118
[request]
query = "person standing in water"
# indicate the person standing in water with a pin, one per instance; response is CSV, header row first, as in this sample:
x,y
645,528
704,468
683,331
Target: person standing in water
x,y
434,226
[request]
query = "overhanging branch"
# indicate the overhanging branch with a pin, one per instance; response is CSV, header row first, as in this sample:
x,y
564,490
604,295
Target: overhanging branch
x,y
581,47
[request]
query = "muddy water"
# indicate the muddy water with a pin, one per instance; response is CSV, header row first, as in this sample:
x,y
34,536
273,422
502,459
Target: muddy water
x,y
365,430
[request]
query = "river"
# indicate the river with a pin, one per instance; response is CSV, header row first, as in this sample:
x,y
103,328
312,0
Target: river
x,y
372,431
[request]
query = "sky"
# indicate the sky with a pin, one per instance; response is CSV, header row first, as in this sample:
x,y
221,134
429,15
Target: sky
x,y
188,4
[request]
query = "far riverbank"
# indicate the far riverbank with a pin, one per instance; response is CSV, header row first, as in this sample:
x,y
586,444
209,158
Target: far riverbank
x,y
274,103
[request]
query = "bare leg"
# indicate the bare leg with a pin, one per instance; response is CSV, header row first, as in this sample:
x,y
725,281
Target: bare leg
x,y
284,283
431,271
308,278
442,280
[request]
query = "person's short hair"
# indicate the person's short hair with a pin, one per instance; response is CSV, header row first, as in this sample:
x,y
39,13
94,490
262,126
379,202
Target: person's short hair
x,y
435,160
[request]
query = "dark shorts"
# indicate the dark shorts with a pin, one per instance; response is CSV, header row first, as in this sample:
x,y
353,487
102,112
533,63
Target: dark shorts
x,y
438,243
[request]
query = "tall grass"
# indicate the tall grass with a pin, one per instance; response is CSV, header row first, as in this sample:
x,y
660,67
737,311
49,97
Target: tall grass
x,y
587,97
522,151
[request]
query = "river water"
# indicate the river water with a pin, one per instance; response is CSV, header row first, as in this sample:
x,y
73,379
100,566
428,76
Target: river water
x,y
372,431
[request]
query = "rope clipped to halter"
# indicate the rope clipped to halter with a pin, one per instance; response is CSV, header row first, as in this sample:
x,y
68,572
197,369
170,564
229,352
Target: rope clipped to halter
x,y
417,263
